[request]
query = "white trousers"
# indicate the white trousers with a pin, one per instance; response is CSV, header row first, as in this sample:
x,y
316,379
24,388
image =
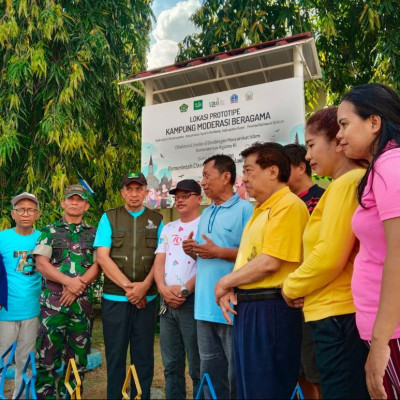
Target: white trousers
x,y
24,333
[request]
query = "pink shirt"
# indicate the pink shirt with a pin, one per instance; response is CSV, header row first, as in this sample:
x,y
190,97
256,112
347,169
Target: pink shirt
x,y
382,199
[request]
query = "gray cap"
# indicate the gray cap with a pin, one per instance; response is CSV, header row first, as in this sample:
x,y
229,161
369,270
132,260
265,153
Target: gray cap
x,y
24,196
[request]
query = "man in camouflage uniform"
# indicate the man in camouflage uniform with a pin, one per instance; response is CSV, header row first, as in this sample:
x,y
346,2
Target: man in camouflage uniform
x,y
65,257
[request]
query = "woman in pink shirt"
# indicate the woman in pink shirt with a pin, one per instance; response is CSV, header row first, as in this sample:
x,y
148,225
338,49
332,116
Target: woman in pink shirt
x,y
369,120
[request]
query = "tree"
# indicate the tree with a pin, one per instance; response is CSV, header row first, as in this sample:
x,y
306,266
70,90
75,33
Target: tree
x,y
62,113
357,41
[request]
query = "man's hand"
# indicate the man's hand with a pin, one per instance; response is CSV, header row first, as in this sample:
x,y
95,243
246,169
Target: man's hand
x,y
224,303
187,245
207,250
294,303
67,298
75,285
135,291
172,295
141,303
220,290
375,366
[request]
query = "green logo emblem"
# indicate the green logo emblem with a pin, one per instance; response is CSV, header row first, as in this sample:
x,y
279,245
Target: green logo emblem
x,y
198,105
184,107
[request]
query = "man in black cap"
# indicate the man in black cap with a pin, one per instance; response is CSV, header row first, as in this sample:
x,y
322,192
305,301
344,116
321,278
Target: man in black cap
x,y
126,241
175,275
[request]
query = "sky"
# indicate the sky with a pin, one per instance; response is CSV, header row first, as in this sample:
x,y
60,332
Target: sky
x,y
171,26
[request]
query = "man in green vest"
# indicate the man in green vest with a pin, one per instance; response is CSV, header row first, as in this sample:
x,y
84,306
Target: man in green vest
x,y
126,240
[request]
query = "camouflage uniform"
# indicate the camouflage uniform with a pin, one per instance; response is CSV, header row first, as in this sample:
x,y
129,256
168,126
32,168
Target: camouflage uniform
x,y
64,331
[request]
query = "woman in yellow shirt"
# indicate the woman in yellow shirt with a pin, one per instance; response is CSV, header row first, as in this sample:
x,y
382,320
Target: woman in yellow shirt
x,y
321,284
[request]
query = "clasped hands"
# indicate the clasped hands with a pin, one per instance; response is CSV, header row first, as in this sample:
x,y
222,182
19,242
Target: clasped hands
x,y
172,295
136,293
206,250
73,288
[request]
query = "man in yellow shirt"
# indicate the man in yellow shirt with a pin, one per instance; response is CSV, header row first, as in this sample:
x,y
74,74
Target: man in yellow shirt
x,y
267,333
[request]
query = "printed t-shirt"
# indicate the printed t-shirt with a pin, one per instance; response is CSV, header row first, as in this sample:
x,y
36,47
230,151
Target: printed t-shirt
x,y
24,281
179,267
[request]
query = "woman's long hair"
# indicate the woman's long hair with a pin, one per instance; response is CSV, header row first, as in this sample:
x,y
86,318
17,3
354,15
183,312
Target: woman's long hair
x,y
376,99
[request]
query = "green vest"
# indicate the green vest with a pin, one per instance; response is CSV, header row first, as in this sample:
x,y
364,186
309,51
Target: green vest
x,y
134,241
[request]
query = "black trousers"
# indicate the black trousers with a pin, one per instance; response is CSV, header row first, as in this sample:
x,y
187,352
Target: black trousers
x,y
340,356
123,325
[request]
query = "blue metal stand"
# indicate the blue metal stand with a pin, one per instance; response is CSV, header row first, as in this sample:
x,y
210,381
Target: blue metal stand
x,y
4,366
28,383
297,393
207,378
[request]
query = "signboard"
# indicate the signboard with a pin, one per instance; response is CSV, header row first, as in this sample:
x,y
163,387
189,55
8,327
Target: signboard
x,y
178,136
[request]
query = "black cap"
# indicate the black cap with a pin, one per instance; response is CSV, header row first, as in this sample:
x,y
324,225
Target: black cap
x,y
188,185
137,177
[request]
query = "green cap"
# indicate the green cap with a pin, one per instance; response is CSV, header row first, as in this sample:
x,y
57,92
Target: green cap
x,y
76,189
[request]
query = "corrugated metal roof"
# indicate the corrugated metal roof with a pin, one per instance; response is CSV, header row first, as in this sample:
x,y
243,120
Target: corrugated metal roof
x,y
247,66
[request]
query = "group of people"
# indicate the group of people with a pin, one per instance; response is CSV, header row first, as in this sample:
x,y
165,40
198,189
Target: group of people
x,y
302,287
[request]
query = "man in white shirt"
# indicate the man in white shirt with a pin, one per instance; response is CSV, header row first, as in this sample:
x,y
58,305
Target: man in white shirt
x,y
175,275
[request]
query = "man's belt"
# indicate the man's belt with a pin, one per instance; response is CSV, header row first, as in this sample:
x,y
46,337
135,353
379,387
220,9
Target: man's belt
x,y
258,294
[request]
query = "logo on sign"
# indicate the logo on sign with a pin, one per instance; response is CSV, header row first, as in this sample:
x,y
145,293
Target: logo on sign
x,y
198,105
248,95
216,103
234,98
183,108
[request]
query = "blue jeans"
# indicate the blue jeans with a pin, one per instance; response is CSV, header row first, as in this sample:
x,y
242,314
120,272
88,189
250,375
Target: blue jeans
x,y
216,358
178,335
267,343
341,356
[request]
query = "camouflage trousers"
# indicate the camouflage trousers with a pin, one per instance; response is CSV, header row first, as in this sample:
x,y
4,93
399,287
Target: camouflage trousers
x,y
61,336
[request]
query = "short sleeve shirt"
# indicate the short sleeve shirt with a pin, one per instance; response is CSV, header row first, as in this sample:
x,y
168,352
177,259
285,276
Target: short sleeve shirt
x,y
23,279
275,229
179,267
223,224
382,201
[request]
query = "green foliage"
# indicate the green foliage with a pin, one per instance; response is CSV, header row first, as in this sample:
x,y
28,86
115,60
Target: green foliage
x,y
62,112
357,41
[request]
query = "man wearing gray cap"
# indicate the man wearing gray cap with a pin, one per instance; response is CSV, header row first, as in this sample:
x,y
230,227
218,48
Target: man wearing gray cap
x,y
19,320
65,257
126,240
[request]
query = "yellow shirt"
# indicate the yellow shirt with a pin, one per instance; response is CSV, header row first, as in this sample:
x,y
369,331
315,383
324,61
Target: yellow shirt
x,y
330,247
275,228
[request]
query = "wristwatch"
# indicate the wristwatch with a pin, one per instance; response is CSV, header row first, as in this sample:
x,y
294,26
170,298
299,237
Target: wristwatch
x,y
184,291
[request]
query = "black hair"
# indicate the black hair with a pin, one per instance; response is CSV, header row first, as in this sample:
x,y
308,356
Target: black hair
x,y
223,163
269,154
376,99
297,155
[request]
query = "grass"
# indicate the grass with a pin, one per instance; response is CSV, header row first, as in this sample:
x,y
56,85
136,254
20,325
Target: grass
x,y
95,382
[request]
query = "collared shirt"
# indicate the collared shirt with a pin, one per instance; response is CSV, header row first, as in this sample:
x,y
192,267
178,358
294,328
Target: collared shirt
x,y
276,229
70,249
223,224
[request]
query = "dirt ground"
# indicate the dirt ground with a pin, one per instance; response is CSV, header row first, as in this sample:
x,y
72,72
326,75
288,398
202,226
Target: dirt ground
x,y
95,382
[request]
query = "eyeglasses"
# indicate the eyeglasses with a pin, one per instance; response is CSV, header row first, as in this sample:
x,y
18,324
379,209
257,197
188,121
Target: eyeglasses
x,y
185,196
22,211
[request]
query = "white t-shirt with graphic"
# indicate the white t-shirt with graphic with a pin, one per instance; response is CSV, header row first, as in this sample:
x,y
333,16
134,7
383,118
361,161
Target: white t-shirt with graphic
x,y
179,267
